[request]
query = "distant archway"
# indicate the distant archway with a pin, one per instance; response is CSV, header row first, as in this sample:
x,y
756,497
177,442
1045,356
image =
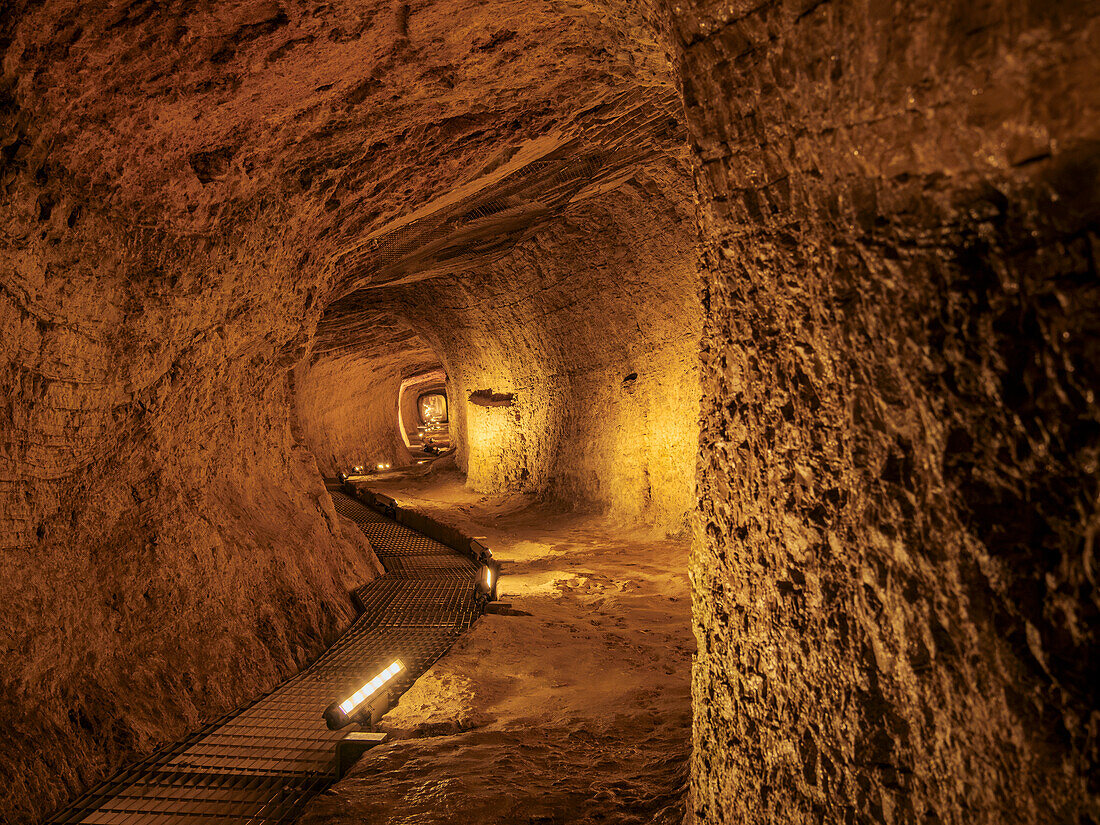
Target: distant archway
x,y
408,415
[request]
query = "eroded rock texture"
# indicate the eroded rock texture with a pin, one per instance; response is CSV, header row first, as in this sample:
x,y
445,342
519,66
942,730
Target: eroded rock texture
x,y
346,396
168,548
591,328
895,572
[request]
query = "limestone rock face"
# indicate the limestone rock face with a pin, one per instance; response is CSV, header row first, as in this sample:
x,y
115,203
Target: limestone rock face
x,y
346,396
169,549
591,327
895,572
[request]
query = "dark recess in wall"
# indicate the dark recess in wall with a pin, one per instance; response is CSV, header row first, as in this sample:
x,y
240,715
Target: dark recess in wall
x,y
488,398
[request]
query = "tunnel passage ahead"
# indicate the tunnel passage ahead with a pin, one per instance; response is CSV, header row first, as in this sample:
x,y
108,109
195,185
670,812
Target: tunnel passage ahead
x,y
586,331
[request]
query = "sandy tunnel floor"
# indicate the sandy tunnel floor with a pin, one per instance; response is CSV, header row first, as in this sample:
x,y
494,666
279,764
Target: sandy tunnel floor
x,y
578,712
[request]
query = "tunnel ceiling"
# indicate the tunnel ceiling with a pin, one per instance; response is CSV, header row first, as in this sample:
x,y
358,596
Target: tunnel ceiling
x,y
367,332
522,190
390,142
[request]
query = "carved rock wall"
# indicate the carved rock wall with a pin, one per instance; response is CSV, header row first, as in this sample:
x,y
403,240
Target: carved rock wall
x,y
169,549
592,326
895,570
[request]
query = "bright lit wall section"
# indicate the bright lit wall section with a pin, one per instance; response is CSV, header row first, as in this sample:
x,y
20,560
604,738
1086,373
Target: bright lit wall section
x,y
572,362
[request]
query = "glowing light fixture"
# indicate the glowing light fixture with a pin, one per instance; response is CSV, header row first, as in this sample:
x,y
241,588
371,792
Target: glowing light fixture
x,y
381,466
339,714
488,580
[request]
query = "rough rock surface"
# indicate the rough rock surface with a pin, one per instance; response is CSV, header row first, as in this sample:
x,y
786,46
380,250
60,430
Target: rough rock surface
x,y
895,568
346,397
169,549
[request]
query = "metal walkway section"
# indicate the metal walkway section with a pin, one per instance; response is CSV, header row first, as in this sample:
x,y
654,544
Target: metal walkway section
x,y
264,762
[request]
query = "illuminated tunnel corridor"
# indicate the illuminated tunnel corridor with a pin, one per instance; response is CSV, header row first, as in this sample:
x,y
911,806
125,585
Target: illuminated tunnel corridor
x,y
768,337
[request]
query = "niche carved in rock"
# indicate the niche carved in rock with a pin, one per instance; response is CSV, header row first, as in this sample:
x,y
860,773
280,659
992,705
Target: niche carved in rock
x,y
488,398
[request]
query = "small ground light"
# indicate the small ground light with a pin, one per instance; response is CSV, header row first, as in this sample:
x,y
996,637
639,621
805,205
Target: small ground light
x,y
381,466
338,714
488,580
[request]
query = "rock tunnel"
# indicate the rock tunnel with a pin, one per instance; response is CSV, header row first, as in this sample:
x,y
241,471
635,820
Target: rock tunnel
x,y
769,337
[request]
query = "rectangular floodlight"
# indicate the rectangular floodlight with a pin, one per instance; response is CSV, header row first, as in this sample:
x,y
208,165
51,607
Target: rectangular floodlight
x,y
488,579
339,714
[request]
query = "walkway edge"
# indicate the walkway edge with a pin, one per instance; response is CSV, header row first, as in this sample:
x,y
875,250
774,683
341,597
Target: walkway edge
x,y
445,534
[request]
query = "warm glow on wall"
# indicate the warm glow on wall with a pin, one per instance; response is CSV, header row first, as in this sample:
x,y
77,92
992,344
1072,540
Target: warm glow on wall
x,y
494,446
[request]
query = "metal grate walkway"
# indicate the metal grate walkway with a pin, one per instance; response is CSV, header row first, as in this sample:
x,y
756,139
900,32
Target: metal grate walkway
x,y
264,762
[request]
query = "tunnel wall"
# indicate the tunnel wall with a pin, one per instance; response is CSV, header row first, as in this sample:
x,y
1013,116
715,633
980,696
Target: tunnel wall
x,y
559,323
169,550
894,571
347,408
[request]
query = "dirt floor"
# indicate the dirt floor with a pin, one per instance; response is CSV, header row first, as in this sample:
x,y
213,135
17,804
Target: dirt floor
x,y
576,709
